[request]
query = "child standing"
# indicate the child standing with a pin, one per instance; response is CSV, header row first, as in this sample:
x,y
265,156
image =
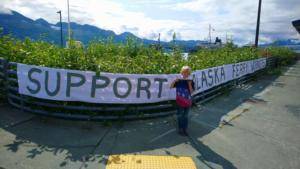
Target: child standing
x,y
184,89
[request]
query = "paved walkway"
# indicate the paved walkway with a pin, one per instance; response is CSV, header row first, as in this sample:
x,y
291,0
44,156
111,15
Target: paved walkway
x,y
257,125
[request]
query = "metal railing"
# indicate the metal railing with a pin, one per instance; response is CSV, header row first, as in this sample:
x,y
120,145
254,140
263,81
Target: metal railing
x,y
92,111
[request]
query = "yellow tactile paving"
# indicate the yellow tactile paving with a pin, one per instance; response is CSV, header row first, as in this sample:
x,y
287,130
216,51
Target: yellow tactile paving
x,y
149,162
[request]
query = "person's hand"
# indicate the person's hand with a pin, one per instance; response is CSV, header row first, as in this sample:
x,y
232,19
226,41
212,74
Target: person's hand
x,y
173,83
190,87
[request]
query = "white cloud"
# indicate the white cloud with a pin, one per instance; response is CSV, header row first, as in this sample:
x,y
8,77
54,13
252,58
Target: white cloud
x,y
239,17
234,17
4,10
104,14
195,5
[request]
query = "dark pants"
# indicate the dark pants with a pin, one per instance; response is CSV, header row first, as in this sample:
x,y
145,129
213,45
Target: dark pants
x,y
182,117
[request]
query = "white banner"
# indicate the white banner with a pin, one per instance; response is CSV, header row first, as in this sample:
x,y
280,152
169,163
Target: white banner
x,y
211,77
86,86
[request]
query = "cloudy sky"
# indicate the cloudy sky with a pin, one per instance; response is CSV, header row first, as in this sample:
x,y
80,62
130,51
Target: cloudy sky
x,y
190,19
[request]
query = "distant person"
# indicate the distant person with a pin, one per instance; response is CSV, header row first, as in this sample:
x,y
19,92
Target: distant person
x,y
218,41
184,88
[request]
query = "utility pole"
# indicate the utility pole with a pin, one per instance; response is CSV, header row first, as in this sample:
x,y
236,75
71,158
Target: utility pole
x,y
69,27
257,23
61,33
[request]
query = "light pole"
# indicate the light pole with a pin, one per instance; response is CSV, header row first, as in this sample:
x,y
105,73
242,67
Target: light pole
x,y
257,23
159,39
69,27
61,33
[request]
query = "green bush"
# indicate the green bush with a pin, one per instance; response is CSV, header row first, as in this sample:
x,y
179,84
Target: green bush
x,y
131,57
285,55
205,58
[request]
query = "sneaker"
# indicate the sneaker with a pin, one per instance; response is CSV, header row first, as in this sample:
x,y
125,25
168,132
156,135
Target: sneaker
x,y
185,133
180,132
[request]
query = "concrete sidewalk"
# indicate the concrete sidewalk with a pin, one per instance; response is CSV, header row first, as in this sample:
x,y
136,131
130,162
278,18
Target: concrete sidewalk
x,y
255,126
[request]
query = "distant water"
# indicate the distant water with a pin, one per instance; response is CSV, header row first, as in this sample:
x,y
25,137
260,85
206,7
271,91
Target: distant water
x,y
297,51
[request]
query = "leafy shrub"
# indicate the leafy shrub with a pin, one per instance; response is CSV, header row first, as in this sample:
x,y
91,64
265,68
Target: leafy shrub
x,y
131,57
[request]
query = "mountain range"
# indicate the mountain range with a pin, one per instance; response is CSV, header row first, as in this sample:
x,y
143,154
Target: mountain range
x,y
20,26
